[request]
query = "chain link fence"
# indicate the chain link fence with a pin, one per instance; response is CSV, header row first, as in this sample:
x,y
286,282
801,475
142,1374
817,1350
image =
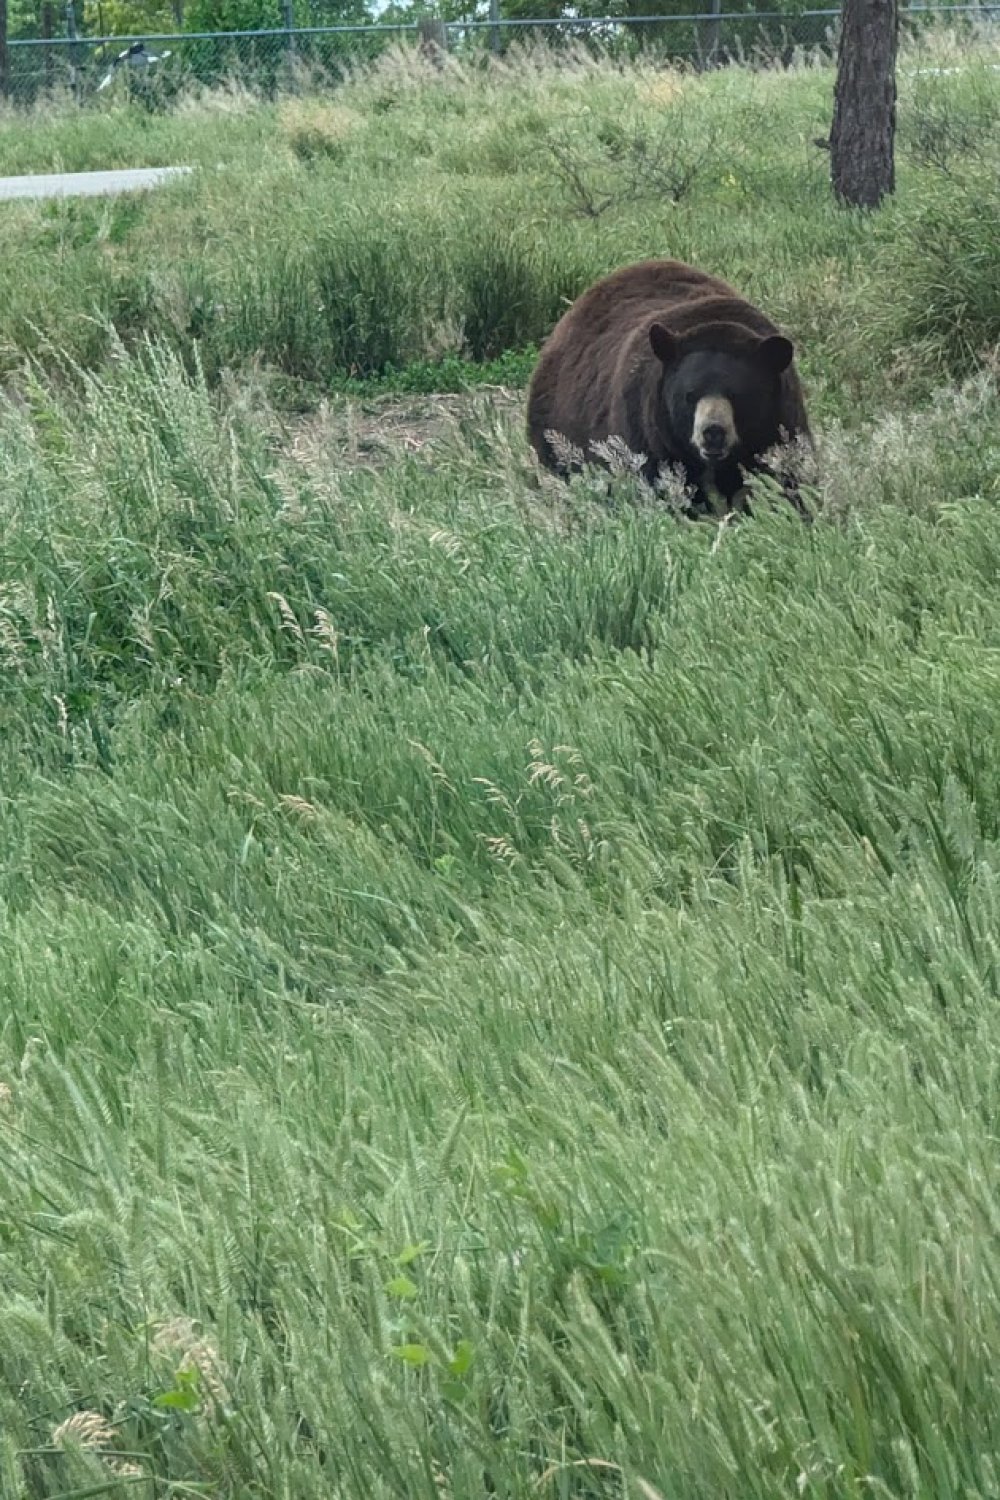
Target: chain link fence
x,y
156,67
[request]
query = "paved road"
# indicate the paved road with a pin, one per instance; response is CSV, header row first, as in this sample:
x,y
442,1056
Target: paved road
x,y
87,184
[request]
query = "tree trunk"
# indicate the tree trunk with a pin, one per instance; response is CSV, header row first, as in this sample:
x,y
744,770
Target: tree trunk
x,y
433,36
862,164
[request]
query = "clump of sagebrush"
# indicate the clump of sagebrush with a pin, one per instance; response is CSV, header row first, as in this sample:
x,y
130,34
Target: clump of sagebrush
x,y
911,459
626,162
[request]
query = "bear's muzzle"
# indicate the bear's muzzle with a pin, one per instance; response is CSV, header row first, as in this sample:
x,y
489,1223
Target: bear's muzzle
x,y
714,430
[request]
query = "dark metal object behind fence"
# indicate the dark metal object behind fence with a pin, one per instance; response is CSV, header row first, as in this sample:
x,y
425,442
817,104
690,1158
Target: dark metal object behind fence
x,y
270,60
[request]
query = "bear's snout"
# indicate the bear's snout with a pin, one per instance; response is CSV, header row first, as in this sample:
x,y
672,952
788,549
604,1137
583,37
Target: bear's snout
x,y
714,429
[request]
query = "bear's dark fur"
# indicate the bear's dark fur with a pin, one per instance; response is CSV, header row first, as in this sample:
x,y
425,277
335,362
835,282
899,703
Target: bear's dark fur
x,y
681,368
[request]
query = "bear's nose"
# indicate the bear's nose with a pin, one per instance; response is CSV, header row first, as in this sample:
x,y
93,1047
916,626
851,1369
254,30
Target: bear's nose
x,y
714,435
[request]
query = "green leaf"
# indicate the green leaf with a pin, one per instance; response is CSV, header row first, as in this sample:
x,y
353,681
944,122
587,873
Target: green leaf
x,y
410,1254
177,1400
412,1354
401,1286
461,1360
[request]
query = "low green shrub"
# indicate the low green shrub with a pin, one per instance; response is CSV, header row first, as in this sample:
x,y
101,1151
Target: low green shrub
x,y
938,265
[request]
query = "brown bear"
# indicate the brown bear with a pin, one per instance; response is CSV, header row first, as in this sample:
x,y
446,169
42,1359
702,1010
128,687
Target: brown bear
x,y
681,368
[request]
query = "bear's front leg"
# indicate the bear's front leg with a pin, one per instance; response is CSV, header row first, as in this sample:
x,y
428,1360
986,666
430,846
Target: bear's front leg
x,y
720,486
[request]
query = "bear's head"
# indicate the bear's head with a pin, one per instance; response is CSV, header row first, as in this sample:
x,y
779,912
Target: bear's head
x,y
721,403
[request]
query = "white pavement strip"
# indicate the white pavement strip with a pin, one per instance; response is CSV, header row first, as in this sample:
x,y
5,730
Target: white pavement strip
x,y
940,72
87,184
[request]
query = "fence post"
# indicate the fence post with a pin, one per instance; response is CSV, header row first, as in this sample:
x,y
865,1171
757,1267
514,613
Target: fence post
x,y
74,50
4,54
710,51
494,27
288,13
48,31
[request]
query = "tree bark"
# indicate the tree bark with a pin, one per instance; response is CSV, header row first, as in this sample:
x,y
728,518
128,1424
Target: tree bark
x,y
862,140
433,36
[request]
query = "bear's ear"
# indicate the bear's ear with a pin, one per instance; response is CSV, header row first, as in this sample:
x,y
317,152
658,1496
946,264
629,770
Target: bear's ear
x,y
776,353
663,343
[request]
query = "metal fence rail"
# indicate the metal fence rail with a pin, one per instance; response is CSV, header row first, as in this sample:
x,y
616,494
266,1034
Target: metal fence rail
x,y
271,60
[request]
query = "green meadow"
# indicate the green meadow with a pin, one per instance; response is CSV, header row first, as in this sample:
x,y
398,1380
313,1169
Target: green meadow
x,y
500,984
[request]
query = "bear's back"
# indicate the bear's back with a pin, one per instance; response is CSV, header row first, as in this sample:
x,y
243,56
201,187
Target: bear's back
x,y
689,300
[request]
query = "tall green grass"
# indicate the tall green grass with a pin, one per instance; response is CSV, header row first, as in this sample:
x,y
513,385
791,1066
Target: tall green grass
x,y
500,991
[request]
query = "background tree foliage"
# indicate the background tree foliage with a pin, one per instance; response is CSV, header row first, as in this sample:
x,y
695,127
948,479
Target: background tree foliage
x,y
468,10
127,17
149,17
145,17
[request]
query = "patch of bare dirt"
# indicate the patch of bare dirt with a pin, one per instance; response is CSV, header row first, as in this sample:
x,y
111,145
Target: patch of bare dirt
x,y
373,432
